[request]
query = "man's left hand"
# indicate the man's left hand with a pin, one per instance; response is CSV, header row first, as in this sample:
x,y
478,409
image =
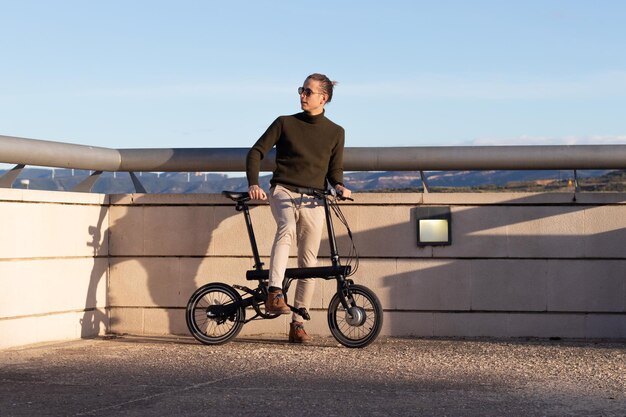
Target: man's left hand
x,y
343,191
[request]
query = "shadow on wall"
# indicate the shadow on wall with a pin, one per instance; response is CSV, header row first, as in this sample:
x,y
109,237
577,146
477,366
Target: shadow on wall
x,y
510,258
160,254
94,320
504,258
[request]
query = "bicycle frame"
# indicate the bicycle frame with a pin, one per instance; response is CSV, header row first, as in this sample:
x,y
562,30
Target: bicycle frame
x,y
335,271
216,311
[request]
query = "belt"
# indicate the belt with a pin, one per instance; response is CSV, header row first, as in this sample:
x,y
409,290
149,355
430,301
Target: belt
x,y
302,190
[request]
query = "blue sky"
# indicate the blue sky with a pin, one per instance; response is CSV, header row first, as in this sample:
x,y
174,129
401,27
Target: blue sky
x,y
161,74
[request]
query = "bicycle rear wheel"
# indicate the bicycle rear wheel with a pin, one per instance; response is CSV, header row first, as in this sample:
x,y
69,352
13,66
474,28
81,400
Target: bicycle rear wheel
x,y
214,313
359,325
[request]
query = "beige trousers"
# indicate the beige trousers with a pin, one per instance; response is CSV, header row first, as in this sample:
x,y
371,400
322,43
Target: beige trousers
x,y
300,221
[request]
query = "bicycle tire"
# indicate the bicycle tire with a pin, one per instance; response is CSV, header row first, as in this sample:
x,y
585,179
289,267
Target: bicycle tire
x,y
212,314
343,326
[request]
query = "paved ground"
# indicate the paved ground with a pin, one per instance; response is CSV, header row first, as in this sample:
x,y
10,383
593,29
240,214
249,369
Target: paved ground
x,y
132,376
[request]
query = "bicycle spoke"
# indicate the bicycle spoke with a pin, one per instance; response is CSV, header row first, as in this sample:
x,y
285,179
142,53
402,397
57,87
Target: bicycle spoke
x,y
356,331
206,318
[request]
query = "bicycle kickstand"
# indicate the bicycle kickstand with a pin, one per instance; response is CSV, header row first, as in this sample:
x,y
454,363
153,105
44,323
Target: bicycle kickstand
x,y
303,312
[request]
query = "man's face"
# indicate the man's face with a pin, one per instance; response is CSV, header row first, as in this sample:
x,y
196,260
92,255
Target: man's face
x,y
312,99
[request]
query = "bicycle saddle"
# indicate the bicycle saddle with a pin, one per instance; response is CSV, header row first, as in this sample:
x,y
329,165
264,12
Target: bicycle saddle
x,y
236,195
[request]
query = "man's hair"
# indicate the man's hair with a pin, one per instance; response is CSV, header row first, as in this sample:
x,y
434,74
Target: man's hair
x,y
325,83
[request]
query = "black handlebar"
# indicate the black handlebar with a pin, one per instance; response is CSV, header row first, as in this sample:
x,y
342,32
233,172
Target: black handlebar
x,y
320,193
241,196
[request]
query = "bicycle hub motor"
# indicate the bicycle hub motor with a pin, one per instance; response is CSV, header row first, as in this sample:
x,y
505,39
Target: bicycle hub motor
x,y
355,316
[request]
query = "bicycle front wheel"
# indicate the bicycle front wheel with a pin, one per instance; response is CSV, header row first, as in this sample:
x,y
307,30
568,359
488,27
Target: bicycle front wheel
x,y
215,314
360,324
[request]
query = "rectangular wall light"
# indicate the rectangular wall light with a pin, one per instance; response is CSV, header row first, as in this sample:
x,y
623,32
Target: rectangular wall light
x,y
433,226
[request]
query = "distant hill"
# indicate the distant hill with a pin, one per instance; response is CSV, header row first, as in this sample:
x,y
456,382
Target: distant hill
x,y
119,183
479,180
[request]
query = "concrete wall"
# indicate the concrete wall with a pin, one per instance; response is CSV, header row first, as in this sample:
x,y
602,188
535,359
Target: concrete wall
x,y
73,264
53,266
520,264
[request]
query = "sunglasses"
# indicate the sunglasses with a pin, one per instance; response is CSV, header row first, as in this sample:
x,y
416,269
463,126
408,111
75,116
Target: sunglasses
x,y
306,91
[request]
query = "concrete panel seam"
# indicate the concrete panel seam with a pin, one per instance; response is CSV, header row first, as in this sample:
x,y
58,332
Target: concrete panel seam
x,y
53,313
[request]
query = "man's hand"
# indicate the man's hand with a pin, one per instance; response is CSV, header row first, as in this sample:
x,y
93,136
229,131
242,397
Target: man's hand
x,y
343,191
257,193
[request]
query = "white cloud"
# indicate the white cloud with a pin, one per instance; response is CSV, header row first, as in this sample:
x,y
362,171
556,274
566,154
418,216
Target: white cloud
x,y
239,90
189,90
611,84
546,140
489,87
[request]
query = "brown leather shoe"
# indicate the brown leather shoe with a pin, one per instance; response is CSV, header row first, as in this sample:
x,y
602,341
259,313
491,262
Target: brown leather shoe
x,y
297,333
275,303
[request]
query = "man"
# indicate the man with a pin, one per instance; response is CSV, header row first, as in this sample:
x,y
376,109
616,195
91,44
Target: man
x,y
309,153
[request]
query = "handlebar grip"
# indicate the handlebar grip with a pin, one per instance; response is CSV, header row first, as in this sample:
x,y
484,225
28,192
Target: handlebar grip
x,y
340,195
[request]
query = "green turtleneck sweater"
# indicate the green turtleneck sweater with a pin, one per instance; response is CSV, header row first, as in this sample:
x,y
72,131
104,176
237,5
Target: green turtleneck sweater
x,y
309,150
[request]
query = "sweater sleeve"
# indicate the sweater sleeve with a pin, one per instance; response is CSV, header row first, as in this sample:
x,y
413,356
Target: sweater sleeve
x,y
258,151
335,165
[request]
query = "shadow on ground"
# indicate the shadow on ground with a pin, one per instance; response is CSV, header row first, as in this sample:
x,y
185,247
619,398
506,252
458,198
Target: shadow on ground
x,y
178,376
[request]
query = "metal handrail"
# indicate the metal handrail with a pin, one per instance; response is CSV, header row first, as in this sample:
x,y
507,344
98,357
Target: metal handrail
x,y
23,151
14,150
